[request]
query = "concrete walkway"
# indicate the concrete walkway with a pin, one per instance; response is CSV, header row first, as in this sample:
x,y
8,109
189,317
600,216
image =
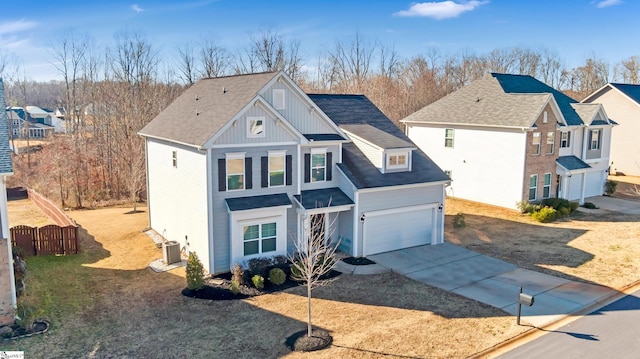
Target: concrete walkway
x,y
615,204
491,281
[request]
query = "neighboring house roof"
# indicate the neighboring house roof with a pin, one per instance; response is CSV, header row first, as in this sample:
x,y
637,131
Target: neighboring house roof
x,y
203,109
6,166
501,100
321,198
571,163
254,202
632,91
376,136
346,110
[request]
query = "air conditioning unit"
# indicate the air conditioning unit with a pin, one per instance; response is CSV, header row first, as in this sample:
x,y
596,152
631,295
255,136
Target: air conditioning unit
x,y
171,252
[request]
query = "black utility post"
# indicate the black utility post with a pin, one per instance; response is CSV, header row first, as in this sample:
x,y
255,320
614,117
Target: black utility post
x,y
525,299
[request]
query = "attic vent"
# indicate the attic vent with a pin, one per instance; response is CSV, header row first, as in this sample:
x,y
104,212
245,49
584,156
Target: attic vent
x,y
478,99
197,113
224,90
197,98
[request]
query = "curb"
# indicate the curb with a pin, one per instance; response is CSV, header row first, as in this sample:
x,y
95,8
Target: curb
x,y
534,332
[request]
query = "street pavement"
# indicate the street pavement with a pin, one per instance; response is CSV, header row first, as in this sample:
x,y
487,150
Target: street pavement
x,y
612,331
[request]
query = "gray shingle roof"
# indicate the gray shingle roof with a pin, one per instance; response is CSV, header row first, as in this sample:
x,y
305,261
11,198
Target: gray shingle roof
x,y
324,137
571,163
254,202
501,100
376,136
6,166
201,111
587,111
321,198
347,110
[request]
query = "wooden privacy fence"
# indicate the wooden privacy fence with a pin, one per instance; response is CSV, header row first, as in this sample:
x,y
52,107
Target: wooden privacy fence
x,y
49,239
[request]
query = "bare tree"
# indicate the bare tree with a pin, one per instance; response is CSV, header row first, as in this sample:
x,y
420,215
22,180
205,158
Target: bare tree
x,y
351,63
215,59
314,258
587,78
628,71
186,64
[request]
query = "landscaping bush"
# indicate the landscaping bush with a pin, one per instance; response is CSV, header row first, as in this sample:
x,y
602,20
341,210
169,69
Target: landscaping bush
x,y
561,205
260,266
280,261
237,274
528,207
277,276
589,205
545,215
610,187
458,221
295,273
235,287
258,281
195,272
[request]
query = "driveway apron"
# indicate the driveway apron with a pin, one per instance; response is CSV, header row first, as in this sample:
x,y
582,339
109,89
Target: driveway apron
x,y
492,281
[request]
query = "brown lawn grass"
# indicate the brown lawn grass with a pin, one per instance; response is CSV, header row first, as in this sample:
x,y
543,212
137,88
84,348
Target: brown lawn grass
x,y
25,212
106,303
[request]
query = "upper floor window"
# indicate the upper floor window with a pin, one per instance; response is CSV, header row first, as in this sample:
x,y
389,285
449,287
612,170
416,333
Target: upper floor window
x,y
278,99
255,127
397,160
448,137
594,139
235,171
318,165
174,156
551,139
565,139
535,144
276,168
533,187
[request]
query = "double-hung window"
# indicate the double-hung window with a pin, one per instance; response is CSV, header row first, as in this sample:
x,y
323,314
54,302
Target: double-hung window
x,y
533,187
535,144
318,165
448,137
565,139
235,171
551,139
276,168
259,238
546,189
594,142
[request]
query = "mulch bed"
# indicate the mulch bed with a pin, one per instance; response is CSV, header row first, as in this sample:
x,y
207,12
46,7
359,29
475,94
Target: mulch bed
x,y
358,261
300,342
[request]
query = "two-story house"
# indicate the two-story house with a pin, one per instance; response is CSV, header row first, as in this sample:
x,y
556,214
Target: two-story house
x,y
239,167
622,103
506,138
7,282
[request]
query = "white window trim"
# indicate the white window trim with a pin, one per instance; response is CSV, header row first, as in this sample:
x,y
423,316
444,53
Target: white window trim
x,y
279,93
535,197
593,132
565,142
283,154
545,186
317,151
552,143
533,141
235,156
256,118
259,223
449,138
388,156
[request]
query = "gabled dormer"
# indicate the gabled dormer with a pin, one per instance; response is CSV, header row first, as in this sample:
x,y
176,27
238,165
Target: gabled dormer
x,y
385,151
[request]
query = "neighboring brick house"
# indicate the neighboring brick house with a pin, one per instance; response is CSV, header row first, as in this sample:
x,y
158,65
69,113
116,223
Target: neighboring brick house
x,y
622,103
239,167
7,284
506,138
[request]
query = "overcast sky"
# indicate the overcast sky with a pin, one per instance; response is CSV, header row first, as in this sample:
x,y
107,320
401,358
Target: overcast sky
x,y
575,29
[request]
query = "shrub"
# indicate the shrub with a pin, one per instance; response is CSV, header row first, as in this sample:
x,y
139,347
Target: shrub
x,y
237,274
561,205
280,261
545,215
235,287
610,187
527,207
295,273
458,221
260,266
277,276
195,272
574,206
258,281
589,205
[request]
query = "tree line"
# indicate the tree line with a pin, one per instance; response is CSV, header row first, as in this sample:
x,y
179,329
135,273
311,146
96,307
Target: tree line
x,y
110,94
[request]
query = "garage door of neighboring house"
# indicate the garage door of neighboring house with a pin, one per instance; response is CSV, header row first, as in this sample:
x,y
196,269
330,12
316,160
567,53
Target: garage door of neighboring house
x,y
593,185
392,229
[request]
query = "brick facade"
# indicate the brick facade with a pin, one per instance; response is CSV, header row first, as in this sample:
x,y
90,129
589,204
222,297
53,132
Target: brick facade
x,y
6,307
544,161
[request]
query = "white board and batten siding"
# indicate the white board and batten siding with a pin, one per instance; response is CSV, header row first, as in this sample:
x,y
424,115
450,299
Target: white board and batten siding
x,y
487,165
177,196
274,132
399,217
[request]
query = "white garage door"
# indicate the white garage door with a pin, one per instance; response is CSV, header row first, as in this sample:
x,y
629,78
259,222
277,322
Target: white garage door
x,y
389,230
594,185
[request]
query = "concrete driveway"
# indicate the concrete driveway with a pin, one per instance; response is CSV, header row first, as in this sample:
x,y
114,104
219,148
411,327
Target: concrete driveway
x,y
492,281
615,204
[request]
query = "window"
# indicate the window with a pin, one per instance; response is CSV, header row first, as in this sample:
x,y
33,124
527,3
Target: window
x,y
278,99
235,172
594,139
276,169
565,139
397,160
174,154
545,117
551,139
255,127
546,189
448,137
535,149
259,238
318,165
533,187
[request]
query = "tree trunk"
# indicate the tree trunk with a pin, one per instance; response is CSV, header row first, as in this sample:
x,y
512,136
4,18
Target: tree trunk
x,y
308,309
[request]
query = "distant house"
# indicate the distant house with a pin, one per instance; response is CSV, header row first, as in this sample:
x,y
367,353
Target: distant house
x,y
23,123
241,167
622,103
45,117
505,139
7,284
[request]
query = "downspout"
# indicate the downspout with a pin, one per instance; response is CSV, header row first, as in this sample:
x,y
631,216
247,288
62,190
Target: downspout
x,y
210,195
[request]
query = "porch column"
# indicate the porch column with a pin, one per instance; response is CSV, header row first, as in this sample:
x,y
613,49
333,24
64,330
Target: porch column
x,y
582,187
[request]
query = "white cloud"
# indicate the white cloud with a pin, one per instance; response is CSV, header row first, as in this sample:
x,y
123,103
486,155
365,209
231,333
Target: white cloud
x,y
442,10
607,3
137,8
16,26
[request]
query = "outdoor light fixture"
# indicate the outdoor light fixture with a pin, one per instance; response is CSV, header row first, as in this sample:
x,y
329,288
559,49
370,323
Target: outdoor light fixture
x,y
362,218
440,206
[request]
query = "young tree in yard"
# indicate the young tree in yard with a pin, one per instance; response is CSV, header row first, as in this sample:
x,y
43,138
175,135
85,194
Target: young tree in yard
x,y
314,258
